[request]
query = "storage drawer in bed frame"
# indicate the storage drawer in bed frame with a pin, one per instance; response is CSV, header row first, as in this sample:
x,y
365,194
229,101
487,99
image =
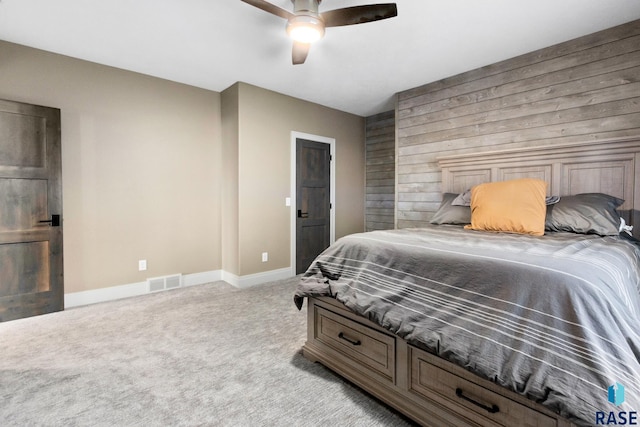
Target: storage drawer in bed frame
x,y
427,389
369,347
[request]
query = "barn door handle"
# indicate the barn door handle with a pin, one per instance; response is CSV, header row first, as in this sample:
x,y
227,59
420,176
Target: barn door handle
x,y
302,214
54,221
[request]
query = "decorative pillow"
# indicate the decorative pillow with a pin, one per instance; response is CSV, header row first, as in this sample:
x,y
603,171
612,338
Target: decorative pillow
x,y
587,213
514,206
448,214
464,199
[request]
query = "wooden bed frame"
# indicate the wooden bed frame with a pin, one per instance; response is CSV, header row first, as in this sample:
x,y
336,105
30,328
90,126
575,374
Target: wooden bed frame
x,y
610,167
426,388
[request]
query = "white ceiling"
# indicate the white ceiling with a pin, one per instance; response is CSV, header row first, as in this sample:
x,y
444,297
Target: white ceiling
x,y
214,43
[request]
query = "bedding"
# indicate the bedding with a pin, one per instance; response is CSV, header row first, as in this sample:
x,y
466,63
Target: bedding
x,y
514,206
464,199
553,318
448,213
588,213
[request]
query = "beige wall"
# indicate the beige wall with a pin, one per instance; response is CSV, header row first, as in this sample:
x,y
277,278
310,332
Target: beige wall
x,y
173,174
229,202
265,122
140,159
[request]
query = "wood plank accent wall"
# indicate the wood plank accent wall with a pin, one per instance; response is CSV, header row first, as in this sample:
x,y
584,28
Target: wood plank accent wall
x,y
582,90
380,141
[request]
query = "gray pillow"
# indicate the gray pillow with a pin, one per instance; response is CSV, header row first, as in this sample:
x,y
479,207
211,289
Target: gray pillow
x,y
464,199
588,213
449,214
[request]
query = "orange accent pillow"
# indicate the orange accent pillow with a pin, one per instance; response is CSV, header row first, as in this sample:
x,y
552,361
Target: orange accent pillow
x,y
515,206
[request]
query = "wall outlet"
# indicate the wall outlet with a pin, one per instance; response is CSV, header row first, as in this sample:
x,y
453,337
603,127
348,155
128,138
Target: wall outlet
x,y
142,265
265,256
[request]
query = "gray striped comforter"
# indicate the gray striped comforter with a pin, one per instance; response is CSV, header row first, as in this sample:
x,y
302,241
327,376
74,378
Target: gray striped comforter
x,y
554,318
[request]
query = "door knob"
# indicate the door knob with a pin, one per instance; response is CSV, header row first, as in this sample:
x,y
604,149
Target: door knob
x,y
54,221
302,214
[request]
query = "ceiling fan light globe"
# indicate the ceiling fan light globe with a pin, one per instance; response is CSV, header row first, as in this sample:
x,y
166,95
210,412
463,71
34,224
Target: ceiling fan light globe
x,y
305,29
305,34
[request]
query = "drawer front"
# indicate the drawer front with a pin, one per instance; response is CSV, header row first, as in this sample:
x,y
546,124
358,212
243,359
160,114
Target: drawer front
x,y
367,346
467,397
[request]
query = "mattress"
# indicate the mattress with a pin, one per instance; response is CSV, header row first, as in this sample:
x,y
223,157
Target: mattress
x,y
553,318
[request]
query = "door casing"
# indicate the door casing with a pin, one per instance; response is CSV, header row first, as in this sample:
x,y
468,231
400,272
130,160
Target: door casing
x,y
293,213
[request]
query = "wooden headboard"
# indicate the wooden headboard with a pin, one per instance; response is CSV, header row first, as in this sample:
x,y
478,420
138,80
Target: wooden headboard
x,y
611,167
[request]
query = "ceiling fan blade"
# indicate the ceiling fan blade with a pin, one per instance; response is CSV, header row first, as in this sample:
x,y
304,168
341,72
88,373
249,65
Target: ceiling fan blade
x,y
300,52
359,14
271,8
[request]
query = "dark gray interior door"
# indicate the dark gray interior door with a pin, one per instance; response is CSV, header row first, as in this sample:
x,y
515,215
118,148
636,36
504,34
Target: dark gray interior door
x,y
31,280
313,182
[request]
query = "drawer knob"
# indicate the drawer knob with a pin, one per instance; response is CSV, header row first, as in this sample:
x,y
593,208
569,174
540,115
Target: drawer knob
x,y
349,340
491,409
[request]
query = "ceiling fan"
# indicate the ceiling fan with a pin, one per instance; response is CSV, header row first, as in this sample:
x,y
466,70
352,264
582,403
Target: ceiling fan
x,y
306,25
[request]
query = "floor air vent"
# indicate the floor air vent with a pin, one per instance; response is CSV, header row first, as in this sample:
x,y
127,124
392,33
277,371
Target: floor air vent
x,y
164,283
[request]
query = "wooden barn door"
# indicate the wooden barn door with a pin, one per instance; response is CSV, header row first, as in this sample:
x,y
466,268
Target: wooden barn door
x,y
31,280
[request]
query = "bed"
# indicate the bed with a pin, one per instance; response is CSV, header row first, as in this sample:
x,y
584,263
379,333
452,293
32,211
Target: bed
x,y
458,326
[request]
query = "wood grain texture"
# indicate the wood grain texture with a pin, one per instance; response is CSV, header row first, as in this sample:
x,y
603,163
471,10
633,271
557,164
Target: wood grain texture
x,y
423,387
313,201
381,170
583,90
609,167
373,349
31,263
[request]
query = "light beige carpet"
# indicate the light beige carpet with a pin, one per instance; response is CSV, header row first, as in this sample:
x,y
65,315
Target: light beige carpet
x,y
206,355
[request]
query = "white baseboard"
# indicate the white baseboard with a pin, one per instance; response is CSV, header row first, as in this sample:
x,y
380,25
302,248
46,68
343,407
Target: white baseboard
x,y
201,278
250,280
94,296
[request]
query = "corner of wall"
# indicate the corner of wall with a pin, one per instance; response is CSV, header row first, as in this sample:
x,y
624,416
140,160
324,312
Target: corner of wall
x,y
230,175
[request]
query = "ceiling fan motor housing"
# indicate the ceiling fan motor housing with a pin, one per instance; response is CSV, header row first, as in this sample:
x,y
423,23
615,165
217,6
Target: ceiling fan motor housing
x,y
306,6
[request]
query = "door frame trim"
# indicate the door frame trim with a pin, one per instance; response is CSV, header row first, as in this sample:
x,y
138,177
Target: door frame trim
x,y
293,198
